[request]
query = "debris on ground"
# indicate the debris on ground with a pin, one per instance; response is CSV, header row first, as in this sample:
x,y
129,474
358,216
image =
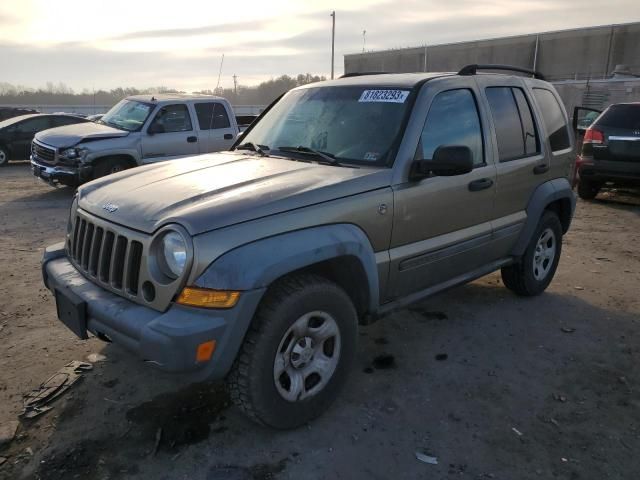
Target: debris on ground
x,y
157,442
2,460
37,401
559,398
426,458
578,288
96,357
568,329
384,361
8,431
441,357
516,431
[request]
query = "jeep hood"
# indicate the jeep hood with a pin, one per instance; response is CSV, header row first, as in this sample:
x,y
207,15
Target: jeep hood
x,y
212,191
71,135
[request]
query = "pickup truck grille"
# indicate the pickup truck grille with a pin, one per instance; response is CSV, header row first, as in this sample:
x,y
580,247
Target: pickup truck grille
x,y
107,257
42,153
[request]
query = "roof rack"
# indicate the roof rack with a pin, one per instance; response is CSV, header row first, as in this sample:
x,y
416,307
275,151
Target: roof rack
x,y
358,74
473,69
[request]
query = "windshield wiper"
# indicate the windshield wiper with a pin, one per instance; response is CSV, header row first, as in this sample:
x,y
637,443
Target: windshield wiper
x,y
260,149
328,157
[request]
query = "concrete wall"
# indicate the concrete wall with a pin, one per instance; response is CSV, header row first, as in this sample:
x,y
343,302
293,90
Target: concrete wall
x,y
586,53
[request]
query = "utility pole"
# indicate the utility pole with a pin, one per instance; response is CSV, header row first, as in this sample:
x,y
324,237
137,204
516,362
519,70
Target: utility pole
x,y
235,84
364,39
333,40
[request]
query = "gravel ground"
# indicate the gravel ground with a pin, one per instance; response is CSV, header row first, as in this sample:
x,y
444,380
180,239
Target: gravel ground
x,y
492,385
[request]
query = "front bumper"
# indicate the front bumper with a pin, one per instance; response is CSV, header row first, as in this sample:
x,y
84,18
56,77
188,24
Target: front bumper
x,y
168,340
55,173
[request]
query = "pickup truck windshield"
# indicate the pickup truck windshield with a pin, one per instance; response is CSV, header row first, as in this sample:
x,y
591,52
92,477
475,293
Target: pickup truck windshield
x,y
127,115
358,125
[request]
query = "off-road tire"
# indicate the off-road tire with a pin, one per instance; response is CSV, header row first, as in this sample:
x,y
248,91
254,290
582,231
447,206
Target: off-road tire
x,y
108,166
251,381
588,190
519,277
4,156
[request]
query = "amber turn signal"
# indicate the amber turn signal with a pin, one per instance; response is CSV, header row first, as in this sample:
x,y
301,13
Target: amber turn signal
x,y
205,351
208,298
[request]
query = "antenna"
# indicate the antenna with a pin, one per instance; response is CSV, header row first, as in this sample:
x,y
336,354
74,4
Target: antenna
x,y
219,73
364,39
333,39
235,84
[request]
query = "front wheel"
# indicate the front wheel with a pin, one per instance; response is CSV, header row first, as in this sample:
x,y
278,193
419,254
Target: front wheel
x,y
297,353
109,166
535,270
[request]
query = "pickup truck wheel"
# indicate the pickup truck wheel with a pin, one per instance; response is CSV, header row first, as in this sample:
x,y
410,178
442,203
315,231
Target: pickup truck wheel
x,y
4,156
109,166
533,274
297,353
588,190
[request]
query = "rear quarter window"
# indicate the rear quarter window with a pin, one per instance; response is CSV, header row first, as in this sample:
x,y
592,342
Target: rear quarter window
x,y
621,116
554,119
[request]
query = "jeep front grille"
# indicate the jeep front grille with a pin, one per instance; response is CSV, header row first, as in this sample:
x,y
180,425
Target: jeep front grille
x,y
42,153
106,256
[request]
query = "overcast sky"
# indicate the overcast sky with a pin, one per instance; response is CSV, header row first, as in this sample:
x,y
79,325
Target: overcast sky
x,y
109,43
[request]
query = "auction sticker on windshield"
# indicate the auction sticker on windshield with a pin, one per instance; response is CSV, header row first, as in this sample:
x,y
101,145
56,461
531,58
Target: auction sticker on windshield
x,y
388,96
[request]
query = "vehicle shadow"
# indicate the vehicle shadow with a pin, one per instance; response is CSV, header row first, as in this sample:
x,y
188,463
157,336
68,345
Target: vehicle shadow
x,y
620,198
461,370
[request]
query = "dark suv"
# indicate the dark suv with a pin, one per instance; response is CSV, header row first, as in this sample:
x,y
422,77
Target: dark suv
x,y
610,149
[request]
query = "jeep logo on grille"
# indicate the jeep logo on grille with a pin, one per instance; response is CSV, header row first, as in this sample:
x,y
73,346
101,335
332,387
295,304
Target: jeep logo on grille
x,y
110,207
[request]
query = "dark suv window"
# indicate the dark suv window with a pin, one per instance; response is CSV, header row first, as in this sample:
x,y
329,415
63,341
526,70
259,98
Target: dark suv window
x,y
62,121
452,120
515,128
621,116
34,125
554,119
212,116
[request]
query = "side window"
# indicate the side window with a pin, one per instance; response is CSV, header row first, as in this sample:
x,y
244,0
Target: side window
x,y
220,117
34,125
212,116
173,118
554,119
529,134
452,120
506,118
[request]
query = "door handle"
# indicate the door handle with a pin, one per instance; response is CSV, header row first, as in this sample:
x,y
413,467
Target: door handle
x,y
539,169
481,184
192,139
228,136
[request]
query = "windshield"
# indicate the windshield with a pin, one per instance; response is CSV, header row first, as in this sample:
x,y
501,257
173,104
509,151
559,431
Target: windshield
x,y
12,120
127,115
357,125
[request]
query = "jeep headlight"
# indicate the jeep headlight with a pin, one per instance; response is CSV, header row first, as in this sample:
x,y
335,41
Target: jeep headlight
x,y
174,254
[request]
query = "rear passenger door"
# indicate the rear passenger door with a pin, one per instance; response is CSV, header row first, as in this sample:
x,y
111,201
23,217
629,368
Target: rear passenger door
x,y
214,125
520,157
170,134
442,225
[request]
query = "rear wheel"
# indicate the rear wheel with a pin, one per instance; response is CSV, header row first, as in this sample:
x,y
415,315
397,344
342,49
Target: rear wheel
x,y
535,270
588,190
4,156
109,166
297,353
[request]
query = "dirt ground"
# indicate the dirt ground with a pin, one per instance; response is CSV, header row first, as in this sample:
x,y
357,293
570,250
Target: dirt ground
x,y
493,385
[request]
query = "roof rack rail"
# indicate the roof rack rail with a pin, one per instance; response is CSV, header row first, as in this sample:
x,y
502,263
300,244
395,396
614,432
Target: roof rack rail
x,y
473,69
358,74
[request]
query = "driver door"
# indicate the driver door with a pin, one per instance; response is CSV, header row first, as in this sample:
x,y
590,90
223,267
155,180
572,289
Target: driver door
x,y
23,134
170,135
442,225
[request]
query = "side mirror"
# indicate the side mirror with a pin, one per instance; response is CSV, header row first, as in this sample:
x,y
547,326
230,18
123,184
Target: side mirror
x,y
447,161
155,128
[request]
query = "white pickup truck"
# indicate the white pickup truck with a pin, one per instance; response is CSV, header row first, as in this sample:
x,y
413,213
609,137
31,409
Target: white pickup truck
x,y
138,130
